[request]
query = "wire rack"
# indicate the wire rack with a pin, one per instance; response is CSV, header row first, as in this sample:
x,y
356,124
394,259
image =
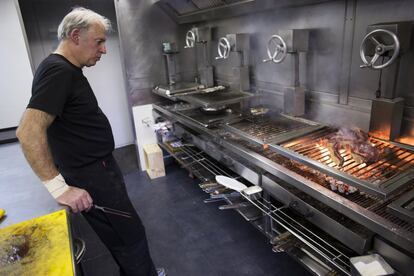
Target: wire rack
x,y
321,246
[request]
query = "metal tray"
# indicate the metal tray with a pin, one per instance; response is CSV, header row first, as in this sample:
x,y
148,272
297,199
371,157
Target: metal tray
x,y
196,115
216,98
170,91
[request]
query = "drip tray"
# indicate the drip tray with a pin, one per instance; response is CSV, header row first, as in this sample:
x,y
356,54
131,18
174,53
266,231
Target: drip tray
x,y
403,207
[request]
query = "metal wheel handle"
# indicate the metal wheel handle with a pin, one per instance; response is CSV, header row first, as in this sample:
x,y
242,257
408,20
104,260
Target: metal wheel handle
x,y
223,48
276,49
190,39
380,49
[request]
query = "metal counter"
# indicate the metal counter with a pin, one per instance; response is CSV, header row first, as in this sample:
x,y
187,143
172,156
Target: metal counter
x,y
22,194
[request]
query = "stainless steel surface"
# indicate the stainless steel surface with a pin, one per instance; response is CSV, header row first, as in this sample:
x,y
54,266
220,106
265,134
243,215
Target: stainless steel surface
x,y
218,98
22,194
208,120
184,11
399,260
386,118
294,101
329,48
383,178
403,207
170,91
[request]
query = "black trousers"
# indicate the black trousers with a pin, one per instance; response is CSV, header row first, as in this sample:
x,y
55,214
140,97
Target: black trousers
x,y
124,237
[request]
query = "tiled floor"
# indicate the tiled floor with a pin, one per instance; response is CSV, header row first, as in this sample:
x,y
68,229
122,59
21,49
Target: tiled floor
x,y
186,236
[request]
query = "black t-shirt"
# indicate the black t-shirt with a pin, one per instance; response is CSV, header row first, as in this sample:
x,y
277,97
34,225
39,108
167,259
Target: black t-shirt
x,y
81,133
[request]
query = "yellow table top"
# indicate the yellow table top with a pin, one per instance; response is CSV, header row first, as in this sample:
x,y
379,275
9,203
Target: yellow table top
x,y
39,246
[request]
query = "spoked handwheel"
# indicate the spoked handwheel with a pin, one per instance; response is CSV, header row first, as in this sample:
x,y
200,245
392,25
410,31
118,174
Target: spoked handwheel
x,y
223,48
380,49
190,39
276,49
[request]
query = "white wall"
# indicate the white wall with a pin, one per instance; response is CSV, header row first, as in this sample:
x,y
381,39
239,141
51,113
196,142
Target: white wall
x,y
15,71
106,79
42,18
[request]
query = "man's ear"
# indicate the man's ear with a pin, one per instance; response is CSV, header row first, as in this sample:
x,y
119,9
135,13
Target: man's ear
x,y
75,35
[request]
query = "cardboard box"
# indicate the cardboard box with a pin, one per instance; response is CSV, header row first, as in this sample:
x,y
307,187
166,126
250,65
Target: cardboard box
x,y
154,161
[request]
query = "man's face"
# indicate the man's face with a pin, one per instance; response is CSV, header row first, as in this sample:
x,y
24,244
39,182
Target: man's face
x,y
91,45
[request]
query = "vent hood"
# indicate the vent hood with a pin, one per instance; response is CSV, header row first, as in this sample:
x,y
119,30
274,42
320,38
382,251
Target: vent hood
x,y
191,11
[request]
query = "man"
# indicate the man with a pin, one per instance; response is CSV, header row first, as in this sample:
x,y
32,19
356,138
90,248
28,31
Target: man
x,y
68,142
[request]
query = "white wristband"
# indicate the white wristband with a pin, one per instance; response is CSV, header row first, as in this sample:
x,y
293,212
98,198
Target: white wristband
x,y
56,186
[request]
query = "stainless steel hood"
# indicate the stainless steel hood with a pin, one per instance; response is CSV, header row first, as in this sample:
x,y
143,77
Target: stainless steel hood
x,y
190,11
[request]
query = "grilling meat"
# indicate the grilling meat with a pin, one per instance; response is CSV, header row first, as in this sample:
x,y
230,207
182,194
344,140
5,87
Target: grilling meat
x,y
356,142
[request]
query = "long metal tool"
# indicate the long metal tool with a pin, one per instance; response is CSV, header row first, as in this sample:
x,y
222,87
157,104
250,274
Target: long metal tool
x,y
113,211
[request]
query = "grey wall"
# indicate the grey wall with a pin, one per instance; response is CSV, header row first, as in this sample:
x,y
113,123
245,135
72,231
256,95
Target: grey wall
x,y
41,18
143,27
338,92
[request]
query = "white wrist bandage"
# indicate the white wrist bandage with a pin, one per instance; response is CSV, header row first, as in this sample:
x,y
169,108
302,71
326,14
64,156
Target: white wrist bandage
x,y
56,186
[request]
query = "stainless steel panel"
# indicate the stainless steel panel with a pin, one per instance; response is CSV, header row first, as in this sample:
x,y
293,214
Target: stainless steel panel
x,y
403,207
296,40
386,118
400,261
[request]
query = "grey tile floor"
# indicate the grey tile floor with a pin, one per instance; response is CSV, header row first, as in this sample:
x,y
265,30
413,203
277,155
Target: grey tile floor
x,y
186,236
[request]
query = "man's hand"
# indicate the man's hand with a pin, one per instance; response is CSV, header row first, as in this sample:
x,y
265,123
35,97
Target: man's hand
x,y
77,199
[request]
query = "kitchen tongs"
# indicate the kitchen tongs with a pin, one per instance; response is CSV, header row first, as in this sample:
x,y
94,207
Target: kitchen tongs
x,y
113,211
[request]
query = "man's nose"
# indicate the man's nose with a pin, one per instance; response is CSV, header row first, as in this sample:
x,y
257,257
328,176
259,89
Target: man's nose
x,y
103,49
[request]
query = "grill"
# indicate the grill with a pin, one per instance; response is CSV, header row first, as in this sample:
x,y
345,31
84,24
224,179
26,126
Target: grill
x,y
384,177
300,141
373,203
263,130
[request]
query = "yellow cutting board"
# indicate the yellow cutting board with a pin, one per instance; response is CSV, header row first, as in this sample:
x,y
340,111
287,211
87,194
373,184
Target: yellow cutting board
x,y
38,246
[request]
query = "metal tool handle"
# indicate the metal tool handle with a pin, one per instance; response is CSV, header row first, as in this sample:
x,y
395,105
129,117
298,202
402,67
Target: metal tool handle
x,y
223,48
276,49
380,49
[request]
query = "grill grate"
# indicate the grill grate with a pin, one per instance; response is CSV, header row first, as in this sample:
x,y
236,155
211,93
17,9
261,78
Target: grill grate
x,y
369,202
263,130
395,161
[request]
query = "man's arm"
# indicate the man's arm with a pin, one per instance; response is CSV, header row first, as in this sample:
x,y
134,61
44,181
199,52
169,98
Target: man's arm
x,y
32,135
